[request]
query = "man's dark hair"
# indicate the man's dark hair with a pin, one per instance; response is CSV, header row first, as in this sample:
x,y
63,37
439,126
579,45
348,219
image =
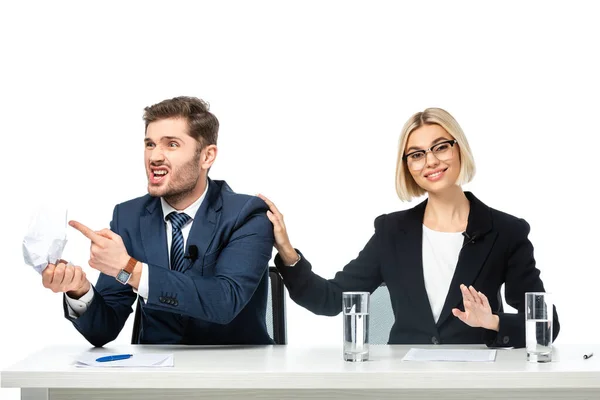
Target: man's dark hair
x,y
203,125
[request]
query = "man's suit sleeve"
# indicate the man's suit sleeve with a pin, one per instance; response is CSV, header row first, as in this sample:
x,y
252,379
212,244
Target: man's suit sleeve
x,y
239,269
324,297
522,276
108,311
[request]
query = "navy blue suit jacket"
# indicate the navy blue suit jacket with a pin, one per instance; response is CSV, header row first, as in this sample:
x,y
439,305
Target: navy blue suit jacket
x,y
221,297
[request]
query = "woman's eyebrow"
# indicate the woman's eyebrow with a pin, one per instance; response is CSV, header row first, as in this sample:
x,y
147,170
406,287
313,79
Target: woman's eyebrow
x,y
441,138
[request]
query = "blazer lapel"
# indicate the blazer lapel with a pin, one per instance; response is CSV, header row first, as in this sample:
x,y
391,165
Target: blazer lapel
x,y
477,245
153,233
206,219
410,253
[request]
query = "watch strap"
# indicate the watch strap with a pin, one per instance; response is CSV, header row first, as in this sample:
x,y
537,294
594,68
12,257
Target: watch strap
x,y
130,265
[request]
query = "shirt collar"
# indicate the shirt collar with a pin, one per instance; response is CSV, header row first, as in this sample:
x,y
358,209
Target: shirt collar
x,y
190,211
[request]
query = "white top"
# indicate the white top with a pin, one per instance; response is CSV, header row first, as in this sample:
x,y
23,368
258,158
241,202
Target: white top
x,y
294,367
78,306
440,255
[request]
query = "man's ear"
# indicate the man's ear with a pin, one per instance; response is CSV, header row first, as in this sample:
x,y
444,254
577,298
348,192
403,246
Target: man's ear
x,y
208,156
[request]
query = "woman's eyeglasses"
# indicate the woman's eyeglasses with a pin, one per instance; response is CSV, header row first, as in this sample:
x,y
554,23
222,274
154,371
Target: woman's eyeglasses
x,y
443,151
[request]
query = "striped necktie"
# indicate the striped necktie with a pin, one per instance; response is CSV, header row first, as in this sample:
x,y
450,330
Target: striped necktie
x,y
177,251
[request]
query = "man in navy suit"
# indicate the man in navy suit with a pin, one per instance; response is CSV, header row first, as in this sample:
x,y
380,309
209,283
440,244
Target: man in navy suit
x,y
194,251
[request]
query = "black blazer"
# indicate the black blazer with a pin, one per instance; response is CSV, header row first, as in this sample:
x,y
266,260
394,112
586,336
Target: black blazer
x,y
496,250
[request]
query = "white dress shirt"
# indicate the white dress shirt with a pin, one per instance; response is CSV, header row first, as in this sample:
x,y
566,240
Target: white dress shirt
x,y
440,255
78,306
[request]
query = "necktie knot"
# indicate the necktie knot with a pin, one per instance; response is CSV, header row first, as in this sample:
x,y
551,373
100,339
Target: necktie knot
x,y
178,219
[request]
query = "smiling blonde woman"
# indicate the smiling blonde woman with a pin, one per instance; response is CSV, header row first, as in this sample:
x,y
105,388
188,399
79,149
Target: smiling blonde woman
x,y
443,261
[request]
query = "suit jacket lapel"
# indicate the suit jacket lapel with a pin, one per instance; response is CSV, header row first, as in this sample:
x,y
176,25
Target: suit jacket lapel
x,y
153,233
476,248
410,253
206,219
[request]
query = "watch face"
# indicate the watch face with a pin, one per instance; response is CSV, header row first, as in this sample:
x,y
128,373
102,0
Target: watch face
x,y
123,276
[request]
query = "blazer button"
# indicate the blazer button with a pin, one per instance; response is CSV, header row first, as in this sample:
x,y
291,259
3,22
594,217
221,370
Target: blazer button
x,y
175,303
434,340
161,299
505,339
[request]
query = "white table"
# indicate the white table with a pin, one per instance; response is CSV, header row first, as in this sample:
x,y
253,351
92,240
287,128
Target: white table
x,y
289,372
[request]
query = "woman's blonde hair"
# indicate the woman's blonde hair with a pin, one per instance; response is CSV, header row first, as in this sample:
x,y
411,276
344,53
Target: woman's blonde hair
x,y
406,187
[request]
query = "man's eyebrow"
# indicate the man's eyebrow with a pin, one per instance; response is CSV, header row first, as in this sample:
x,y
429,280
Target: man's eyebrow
x,y
146,140
440,139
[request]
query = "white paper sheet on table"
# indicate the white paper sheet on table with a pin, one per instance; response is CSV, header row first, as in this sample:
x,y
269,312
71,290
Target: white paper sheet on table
x,y
460,355
137,360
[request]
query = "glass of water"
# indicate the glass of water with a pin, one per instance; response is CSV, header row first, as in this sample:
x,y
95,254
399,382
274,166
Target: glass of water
x,y
539,311
355,306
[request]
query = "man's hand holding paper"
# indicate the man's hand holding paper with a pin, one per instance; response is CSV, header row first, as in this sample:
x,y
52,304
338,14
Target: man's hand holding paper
x,y
64,277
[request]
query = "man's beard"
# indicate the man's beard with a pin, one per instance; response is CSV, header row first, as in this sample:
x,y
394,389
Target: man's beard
x,y
182,182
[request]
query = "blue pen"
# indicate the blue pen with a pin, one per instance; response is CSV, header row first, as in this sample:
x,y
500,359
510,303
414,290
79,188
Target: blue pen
x,y
114,358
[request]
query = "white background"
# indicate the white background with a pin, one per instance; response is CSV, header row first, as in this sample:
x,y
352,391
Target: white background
x,y
311,96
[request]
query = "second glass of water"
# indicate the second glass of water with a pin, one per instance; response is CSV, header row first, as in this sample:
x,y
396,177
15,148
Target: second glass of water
x,y
539,311
355,307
